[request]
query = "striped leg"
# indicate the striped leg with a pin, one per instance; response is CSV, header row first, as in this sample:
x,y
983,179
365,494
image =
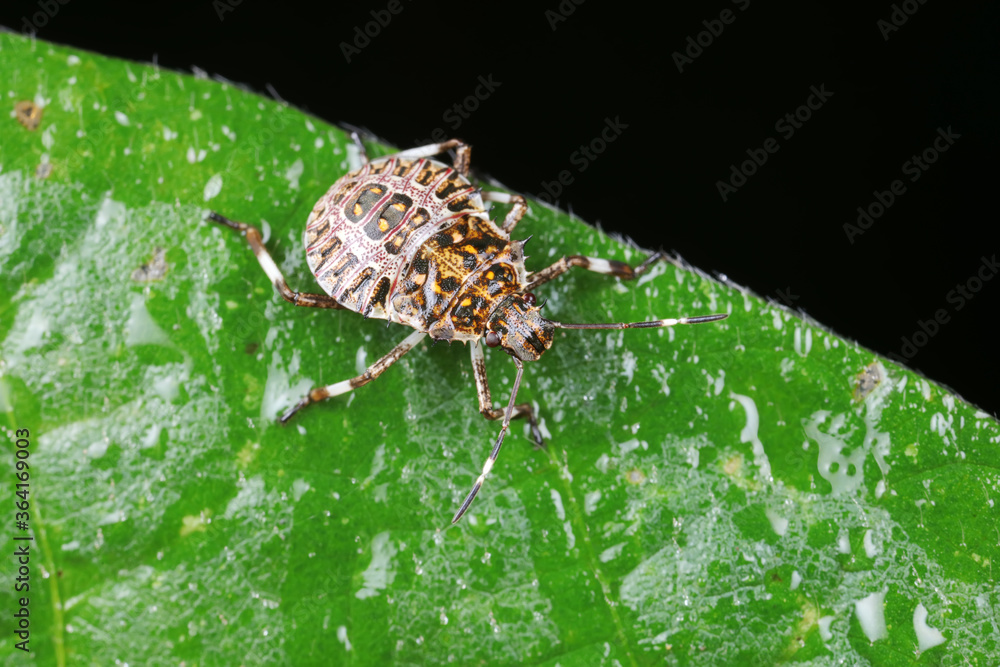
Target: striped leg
x,y
463,152
271,269
508,415
486,402
516,212
320,393
606,266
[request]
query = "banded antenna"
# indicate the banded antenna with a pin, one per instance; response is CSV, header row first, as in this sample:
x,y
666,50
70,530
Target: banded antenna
x,y
643,325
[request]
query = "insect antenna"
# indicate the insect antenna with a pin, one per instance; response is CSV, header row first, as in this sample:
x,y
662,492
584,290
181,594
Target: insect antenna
x,y
496,448
643,325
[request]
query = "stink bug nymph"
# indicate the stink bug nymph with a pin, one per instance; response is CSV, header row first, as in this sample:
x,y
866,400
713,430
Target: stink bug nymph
x,y
408,239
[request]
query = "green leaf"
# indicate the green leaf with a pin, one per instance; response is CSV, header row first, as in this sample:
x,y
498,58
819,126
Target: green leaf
x,y
754,491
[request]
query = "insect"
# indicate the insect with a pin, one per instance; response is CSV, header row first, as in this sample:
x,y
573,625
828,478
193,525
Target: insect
x,y
408,239
28,114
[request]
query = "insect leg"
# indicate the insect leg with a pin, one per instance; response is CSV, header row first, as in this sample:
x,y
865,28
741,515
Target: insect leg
x,y
486,402
516,212
463,152
362,151
320,393
253,237
496,447
606,266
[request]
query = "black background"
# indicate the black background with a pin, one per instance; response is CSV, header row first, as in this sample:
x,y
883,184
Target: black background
x,y
561,69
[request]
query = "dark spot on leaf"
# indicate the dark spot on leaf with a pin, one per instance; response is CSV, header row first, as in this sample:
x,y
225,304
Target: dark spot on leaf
x,y
153,270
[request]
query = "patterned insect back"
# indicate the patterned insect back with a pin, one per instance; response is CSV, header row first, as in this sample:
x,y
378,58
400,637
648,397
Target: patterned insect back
x,y
409,240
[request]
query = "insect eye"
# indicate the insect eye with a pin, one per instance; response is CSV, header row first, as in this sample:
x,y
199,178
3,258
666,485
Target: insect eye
x,y
528,298
492,339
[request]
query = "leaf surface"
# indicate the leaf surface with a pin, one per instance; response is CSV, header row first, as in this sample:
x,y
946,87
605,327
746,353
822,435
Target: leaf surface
x,y
755,491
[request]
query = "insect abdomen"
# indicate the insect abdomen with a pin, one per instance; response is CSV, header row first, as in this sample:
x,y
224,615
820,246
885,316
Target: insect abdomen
x,y
373,224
